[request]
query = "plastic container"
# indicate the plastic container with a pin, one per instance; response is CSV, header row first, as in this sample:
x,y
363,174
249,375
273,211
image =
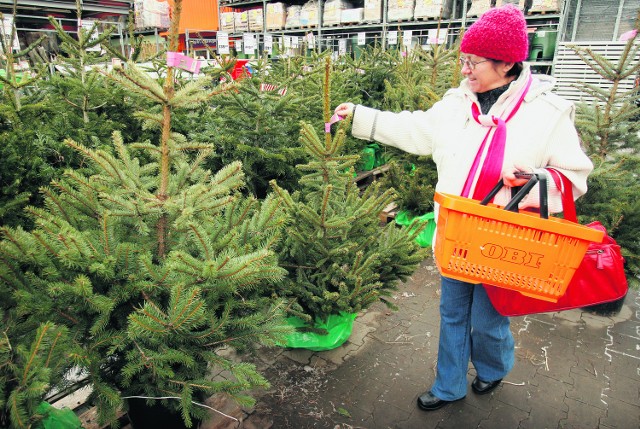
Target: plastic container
x,y
543,44
520,251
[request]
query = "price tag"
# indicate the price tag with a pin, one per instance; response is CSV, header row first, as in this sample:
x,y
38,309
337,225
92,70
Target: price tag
x,y
223,43
249,42
362,38
392,37
406,39
437,36
342,46
268,43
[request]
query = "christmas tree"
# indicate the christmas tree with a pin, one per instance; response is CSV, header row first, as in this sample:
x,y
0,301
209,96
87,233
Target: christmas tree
x,y
338,257
151,262
610,134
418,81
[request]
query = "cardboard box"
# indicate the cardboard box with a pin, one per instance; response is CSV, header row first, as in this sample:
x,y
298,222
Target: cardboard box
x,y
293,16
332,14
227,22
241,21
256,19
276,16
372,11
352,16
400,10
310,15
432,9
478,7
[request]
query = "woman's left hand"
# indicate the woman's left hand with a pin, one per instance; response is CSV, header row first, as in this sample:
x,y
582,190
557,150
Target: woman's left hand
x,y
509,175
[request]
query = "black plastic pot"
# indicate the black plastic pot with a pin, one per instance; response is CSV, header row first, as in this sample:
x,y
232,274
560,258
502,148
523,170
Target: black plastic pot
x,y
143,416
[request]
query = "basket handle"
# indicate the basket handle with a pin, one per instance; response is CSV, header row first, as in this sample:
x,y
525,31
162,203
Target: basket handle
x,y
512,205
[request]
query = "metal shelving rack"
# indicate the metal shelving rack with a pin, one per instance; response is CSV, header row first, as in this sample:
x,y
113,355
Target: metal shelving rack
x,y
381,29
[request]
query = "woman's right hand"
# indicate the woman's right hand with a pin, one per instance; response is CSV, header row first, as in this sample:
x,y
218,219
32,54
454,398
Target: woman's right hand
x,y
344,109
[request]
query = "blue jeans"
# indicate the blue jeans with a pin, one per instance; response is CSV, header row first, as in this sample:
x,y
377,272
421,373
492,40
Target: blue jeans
x,y
470,328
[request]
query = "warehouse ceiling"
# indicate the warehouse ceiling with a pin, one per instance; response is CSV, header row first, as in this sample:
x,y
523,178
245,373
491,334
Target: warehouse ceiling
x,y
32,15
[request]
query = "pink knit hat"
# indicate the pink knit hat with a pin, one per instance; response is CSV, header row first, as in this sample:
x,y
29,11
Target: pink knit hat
x,y
500,34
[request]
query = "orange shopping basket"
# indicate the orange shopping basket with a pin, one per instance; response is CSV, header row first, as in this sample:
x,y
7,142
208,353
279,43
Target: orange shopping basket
x,y
531,253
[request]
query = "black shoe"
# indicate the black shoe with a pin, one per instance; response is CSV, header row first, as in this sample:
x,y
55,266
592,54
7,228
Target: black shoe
x,y
483,387
429,402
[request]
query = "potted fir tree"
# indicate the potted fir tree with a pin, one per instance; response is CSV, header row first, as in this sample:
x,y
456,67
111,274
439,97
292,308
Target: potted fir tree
x,y
338,257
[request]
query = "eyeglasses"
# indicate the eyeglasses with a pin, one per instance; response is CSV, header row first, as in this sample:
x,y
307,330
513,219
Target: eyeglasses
x,y
470,64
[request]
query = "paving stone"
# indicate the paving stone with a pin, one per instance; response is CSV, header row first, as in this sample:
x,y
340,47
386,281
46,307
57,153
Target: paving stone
x,y
226,413
461,415
298,355
542,416
503,416
589,390
581,415
550,391
621,415
621,388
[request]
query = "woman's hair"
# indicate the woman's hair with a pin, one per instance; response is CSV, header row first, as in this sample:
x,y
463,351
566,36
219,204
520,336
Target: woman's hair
x,y
513,71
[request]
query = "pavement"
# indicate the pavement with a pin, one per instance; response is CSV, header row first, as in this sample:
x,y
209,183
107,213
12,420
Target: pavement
x,y
574,369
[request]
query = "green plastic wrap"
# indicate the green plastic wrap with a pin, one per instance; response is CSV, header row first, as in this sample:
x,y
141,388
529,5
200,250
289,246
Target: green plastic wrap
x,y
55,418
367,159
338,326
425,238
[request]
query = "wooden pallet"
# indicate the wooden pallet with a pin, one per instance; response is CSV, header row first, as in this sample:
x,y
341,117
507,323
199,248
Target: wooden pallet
x,y
366,177
388,214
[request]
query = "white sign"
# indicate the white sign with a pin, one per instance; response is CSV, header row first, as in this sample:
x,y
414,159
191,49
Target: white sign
x,y
268,43
310,40
342,46
392,37
238,44
287,42
406,39
295,42
437,37
86,25
362,38
223,43
7,27
249,42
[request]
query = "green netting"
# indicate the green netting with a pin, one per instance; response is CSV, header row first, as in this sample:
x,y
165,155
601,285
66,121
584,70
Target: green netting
x,y
55,418
425,238
338,327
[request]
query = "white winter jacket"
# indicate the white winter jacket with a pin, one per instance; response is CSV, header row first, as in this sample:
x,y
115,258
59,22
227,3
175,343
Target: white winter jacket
x,y
541,134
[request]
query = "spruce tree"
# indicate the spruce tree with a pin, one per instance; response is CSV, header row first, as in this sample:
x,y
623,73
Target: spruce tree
x,y
151,262
339,259
610,134
261,115
418,81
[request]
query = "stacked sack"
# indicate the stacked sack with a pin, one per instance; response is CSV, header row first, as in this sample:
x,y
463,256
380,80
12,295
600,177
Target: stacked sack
x,y
400,10
333,11
432,9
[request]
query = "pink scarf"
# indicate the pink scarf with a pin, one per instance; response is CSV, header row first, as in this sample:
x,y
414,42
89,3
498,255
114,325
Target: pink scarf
x,y
492,165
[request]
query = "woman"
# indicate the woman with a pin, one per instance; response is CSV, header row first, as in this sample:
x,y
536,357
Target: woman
x,y
500,120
